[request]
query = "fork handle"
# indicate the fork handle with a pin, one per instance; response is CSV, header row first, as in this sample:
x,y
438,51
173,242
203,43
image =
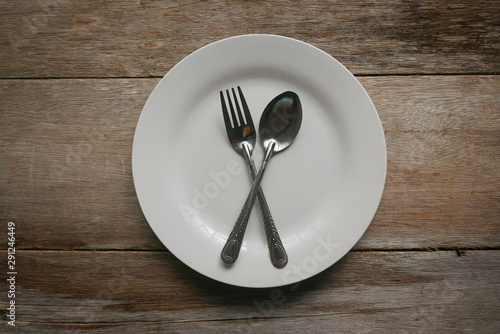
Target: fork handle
x,y
231,249
277,252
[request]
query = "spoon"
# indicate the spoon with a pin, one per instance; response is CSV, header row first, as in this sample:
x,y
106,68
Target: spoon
x,y
278,127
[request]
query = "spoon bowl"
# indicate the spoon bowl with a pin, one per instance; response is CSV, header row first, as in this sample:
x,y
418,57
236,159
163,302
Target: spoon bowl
x,y
281,121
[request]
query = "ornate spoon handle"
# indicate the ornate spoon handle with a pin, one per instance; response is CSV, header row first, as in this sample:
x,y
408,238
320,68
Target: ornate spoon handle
x,y
232,247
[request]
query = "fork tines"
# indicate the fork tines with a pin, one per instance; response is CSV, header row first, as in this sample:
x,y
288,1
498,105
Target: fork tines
x,y
237,119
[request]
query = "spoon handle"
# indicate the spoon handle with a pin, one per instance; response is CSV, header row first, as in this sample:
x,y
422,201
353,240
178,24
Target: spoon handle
x,y
232,247
277,252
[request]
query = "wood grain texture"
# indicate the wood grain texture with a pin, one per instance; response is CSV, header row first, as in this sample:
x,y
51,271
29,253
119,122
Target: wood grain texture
x,y
366,292
144,38
443,177
86,258
65,150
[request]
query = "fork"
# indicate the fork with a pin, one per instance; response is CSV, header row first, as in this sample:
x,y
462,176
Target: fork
x,y
242,135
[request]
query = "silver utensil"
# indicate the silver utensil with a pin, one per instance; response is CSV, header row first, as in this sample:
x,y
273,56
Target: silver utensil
x,y
242,135
279,125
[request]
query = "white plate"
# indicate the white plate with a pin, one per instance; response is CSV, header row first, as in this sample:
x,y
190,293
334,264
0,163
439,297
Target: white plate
x,y
323,191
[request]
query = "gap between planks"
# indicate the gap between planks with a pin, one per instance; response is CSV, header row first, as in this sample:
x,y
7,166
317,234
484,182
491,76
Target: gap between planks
x,y
458,250
445,74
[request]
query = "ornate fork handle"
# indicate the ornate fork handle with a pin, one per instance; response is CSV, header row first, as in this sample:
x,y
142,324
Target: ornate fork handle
x,y
231,249
277,252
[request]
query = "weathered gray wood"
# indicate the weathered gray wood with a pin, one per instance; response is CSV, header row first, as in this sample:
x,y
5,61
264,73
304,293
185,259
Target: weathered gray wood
x,y
63,38
443,177
65,157
66,163
65,168
404,292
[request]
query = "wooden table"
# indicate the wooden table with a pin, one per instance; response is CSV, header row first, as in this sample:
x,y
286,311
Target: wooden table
x,y
74,77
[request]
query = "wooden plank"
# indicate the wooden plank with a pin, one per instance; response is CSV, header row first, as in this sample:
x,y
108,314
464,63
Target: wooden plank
x,y
63,38
443,178
66,179
66,156
414,292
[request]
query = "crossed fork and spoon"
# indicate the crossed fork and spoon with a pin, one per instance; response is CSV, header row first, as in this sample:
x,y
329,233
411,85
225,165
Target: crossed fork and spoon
x,y
279,124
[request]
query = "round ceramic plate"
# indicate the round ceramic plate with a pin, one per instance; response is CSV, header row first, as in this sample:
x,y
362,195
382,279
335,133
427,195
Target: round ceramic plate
x,y
323,191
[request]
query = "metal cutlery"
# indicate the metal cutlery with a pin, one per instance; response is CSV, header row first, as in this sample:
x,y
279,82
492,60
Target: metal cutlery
x,y
242,136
